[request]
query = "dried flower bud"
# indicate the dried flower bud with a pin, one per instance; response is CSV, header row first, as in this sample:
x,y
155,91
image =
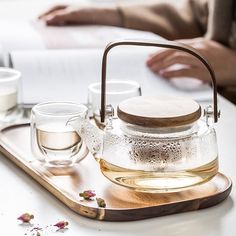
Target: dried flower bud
x,y
87,194
38,234
61,224
101,202
26,217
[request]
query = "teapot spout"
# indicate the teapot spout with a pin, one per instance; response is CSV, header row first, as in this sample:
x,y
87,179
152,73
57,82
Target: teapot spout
x,y
90,134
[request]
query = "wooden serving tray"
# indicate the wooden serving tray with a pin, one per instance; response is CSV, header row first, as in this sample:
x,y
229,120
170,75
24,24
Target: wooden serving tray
x,y
122,204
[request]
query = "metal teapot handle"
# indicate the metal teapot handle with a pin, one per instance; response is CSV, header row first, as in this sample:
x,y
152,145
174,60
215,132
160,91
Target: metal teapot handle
x,y
161,44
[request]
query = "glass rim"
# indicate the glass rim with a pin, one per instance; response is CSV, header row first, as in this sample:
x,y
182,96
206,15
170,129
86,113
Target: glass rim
x,y
92,87
14,74
36,109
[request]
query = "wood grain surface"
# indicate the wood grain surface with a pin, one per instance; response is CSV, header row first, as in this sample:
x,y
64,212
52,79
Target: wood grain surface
x,y
152,111
122,204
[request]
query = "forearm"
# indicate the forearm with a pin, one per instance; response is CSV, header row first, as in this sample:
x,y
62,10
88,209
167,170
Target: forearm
x,y
163,19
104,16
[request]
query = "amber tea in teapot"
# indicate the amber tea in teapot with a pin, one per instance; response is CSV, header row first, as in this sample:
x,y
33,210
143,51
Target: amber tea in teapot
x,y
155,156
150,153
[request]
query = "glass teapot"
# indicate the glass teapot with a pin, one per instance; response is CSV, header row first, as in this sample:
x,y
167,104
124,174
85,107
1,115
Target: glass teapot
x,y
157,144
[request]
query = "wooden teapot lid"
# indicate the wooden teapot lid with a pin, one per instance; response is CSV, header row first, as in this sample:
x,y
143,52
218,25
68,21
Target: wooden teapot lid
x,y
159,111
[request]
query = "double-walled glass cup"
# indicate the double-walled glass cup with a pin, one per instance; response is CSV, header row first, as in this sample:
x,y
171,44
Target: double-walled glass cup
x,y
52,139
116,91
9,90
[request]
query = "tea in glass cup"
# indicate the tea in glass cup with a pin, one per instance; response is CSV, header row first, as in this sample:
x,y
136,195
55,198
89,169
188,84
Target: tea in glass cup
x,y
52,139
9,90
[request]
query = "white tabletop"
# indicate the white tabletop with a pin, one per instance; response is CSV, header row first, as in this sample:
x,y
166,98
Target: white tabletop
x,y
19,193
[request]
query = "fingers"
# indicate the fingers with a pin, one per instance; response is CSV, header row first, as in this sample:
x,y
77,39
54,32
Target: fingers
x,y
70,15
52,10
164,56
61,17
157,57
183,72
190,72
172,59
171,63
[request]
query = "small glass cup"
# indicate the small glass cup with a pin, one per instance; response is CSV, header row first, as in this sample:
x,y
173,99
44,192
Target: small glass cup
x,y
53,141
116,91
9,93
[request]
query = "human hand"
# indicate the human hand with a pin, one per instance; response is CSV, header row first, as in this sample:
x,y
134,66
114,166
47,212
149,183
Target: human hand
x,y
221,58
65,15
